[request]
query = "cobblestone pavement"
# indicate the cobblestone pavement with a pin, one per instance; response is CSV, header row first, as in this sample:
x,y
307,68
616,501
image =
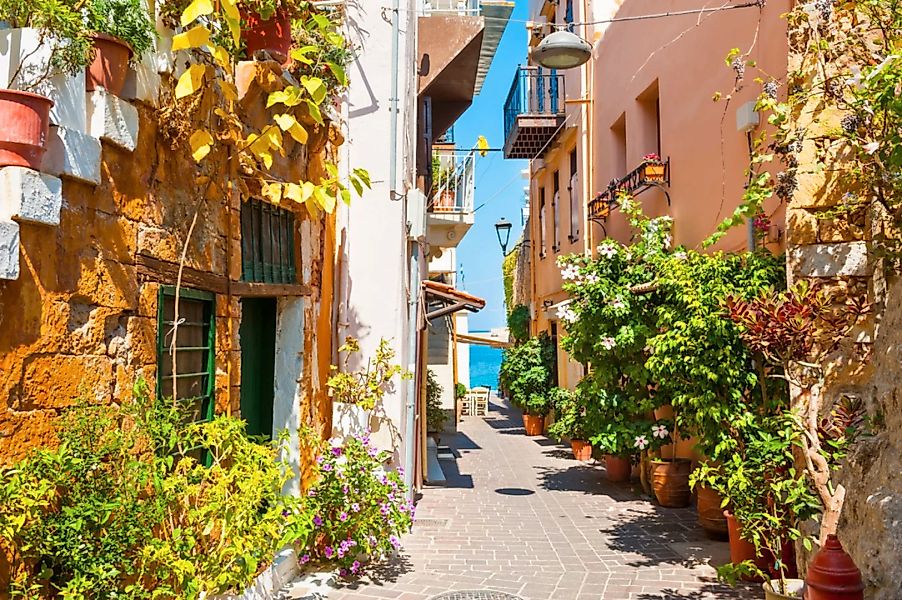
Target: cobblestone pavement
x,y
520,516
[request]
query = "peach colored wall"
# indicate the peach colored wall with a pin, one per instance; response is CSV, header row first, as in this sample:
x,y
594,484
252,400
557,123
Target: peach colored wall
x,y
686,62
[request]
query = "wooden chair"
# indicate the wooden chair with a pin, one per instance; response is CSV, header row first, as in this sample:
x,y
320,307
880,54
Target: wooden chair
x,y
466,404
481,401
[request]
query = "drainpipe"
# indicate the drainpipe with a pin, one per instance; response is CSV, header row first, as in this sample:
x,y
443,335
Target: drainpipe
x,y
393,105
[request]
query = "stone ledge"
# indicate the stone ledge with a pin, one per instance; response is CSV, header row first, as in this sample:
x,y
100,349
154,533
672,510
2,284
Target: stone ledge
x,y
28,195
72,154
9,250
112,119
848,259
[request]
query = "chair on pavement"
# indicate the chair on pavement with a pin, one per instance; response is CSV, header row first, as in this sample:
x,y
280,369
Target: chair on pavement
x,y
467,403
481,401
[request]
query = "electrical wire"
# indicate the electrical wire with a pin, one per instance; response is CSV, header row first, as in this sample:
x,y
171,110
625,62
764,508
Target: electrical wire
x,y
661,15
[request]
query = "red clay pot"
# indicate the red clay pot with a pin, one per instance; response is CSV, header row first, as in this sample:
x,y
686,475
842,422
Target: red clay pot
x,y
582,450
110,65
670,482
534,425
832,574
710,513
742,550
24,126
272,35
618,468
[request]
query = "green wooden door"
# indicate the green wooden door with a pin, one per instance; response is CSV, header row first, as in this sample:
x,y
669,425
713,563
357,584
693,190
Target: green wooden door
x,y
258,357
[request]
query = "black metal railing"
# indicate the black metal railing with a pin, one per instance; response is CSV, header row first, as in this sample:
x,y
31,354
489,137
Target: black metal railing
x,y
652,172
534,91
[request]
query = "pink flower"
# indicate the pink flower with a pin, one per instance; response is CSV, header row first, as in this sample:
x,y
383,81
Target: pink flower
x,y
641,442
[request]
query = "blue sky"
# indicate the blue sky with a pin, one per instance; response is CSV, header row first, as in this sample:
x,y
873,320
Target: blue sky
x,y
499,186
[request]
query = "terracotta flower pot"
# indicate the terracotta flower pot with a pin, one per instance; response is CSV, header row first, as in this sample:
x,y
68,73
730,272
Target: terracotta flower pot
x,y
272,35
534,424
833,575
741,549
710,513
793,588
582,450
24,126
654,172
110,65
670,482
618,468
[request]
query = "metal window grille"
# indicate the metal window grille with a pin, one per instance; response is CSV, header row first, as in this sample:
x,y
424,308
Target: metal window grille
x,y
267,243
193,383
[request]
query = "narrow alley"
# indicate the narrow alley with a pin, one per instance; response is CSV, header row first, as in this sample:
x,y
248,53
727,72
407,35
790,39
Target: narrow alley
x,y
521,518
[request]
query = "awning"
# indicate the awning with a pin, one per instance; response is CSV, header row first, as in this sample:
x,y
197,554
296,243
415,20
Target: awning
x,y
442,299
484,340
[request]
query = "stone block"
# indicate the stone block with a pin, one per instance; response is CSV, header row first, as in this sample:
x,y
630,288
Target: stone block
x,y
112,119
9,250
143,81
848,259
30,195
54,381
25,63
72,153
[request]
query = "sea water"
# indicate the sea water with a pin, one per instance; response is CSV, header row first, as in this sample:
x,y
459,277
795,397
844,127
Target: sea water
x,y
485,363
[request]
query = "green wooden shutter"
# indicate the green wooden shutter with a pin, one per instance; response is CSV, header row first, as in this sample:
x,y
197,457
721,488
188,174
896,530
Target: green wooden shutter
x,y
267,243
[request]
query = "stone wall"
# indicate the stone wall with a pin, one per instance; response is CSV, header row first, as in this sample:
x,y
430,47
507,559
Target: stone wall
x,y
79,318
840,249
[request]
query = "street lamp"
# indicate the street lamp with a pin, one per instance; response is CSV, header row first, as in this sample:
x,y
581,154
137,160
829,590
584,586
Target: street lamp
x,y
503,229
562,50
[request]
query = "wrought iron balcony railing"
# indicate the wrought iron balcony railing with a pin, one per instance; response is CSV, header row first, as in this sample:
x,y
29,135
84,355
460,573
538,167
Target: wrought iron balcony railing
x,y
533,110
453,183
652,172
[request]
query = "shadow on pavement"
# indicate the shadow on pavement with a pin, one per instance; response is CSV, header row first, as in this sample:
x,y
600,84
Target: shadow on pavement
x,y
380,573
581,477
711,591
454,478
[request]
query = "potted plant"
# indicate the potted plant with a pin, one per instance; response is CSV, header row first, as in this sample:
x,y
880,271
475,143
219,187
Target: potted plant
x,y
435,415
652,167
121,31
444,185
669,476
266,26
614,437
25,105
527,373
573,416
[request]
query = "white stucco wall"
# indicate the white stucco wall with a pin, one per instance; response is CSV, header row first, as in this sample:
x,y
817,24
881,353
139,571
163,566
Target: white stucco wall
x,y
374,278
286,411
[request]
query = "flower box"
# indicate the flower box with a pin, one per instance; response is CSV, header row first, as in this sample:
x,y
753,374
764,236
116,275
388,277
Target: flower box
x,y
653,171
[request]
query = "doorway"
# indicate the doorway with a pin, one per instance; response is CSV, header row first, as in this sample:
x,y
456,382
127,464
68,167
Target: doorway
x,y
258,357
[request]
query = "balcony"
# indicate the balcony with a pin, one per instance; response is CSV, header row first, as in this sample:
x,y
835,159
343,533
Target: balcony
x,y
533,112
457,40
652,172
449,213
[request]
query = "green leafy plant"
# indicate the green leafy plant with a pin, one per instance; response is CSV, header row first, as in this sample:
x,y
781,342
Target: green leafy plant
x,y
574,416
527,373
365,387
360,508
136,502
127,20
435,416
460,390
518,323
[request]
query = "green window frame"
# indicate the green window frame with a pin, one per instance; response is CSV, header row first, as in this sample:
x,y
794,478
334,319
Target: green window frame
x,y
195,380
267,243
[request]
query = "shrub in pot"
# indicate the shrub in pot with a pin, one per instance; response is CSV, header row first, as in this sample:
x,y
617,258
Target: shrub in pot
x,y
24,107
266,26
615,438
435,415
122,30
669,476
527,372
574,419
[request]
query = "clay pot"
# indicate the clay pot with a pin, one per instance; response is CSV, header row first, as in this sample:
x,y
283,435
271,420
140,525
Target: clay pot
x,y
272,35
618,468
742,550
832,574
534,424
24,126
710,513
582,450
110,65
670,482
793,589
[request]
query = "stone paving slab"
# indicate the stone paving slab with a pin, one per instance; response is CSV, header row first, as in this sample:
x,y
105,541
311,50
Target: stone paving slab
x,y
521,517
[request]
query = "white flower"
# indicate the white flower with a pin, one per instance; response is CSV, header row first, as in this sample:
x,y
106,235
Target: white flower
x,y
608,343
641,442
680,255
618,304
592,278
567,314
607,250
871,147
570,272
626,205
667,241
659,431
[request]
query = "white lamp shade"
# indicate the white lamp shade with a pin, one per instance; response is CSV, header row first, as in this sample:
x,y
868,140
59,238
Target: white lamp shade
x,y
562,50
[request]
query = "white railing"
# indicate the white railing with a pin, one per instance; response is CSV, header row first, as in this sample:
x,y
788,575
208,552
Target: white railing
x,y
454,183
452,7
